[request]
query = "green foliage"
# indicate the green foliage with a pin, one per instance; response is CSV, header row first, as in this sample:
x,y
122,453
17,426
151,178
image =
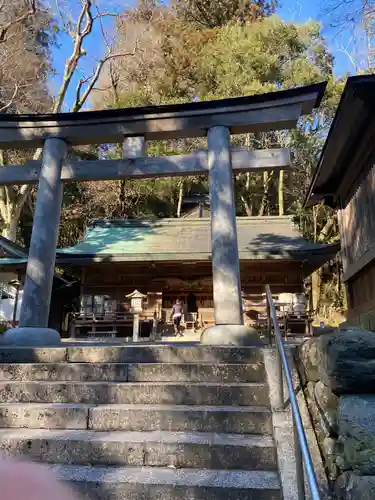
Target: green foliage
x,y
262,57
183,60
216,13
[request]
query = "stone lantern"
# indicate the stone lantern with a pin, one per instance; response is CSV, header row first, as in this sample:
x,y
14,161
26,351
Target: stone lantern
x,y
136,307
16,284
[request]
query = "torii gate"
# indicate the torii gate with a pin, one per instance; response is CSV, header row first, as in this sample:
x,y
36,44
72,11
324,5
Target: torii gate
x,y
134,126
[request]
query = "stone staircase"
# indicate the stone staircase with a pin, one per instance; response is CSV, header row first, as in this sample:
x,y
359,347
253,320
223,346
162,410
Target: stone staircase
x,y
143,422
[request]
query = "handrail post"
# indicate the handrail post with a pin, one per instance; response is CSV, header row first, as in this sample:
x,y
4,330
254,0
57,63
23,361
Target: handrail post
x,y
301,495
269,323
280,378
302,452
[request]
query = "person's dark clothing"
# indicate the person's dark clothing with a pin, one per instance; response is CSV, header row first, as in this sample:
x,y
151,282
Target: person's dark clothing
x,y
192,303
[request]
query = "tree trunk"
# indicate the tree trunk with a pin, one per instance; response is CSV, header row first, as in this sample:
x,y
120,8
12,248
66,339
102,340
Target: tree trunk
x,y
315,212
248,206
180,196
281,192
324,233
320,289
264,206
11,203
10,230
315,289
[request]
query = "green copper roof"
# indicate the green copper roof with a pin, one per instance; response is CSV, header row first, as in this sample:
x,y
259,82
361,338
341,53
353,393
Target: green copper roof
x,y
259,238
8,261
189,239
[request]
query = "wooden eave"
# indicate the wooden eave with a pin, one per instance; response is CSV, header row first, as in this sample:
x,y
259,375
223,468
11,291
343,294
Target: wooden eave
x,y
349,148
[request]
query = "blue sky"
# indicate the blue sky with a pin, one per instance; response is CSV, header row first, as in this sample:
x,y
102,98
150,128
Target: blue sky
x,y
290,10
303,10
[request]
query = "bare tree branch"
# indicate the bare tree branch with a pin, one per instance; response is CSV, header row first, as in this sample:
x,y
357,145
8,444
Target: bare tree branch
x,y
13,200
4,29
77,53
82,98
63,20
11,101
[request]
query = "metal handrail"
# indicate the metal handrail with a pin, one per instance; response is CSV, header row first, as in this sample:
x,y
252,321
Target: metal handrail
x,y
302,451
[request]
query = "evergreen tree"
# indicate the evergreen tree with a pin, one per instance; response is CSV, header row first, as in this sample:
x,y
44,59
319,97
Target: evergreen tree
x,y
217,13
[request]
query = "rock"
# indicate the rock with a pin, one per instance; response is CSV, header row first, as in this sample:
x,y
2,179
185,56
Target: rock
x,y
331,451
311,358
320,426
357,433
328,406
237,335
325,397
310,388
344,361
352,487
29,336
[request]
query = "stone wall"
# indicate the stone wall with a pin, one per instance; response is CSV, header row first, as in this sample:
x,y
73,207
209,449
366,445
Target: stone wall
x,y
337,370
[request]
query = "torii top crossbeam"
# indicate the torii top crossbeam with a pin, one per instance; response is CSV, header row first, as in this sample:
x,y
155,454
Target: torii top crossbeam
x,y
258,113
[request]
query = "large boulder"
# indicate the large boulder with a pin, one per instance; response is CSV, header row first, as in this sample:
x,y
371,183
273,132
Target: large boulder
x,y
352,487
357,433
344,361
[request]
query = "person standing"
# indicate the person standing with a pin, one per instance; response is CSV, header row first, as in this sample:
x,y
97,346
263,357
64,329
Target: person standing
x,y
192,309
177,310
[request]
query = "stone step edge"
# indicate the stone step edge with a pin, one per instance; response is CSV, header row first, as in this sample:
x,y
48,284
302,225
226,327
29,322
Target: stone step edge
x,y
138,407
260,480
137,384
130,363
73,353
139,437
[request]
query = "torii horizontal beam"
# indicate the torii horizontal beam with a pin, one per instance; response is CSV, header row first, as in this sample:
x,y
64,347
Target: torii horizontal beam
x,y
148,167
258,113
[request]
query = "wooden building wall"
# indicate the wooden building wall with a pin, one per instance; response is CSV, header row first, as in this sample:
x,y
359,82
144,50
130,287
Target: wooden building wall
x,y
164,282
357,232
357,226
120,279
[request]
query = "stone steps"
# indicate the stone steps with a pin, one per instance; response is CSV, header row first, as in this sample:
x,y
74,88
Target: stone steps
x,y
141,422
227,419
150,483
131,354
44,415
229,394
135,372
146,448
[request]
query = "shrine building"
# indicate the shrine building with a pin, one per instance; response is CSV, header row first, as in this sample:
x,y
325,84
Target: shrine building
x,y
165,259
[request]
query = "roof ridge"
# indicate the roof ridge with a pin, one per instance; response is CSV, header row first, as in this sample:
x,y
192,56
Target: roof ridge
x,y
183,220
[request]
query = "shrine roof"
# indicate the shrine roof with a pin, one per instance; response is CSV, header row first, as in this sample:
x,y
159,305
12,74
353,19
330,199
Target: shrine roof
x,y
179,240
348,152
259,238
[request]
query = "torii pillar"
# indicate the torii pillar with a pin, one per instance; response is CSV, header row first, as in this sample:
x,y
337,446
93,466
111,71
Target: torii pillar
x,y
229,327
33,325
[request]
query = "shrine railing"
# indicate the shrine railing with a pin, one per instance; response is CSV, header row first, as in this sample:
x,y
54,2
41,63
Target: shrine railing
x,y
301,447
